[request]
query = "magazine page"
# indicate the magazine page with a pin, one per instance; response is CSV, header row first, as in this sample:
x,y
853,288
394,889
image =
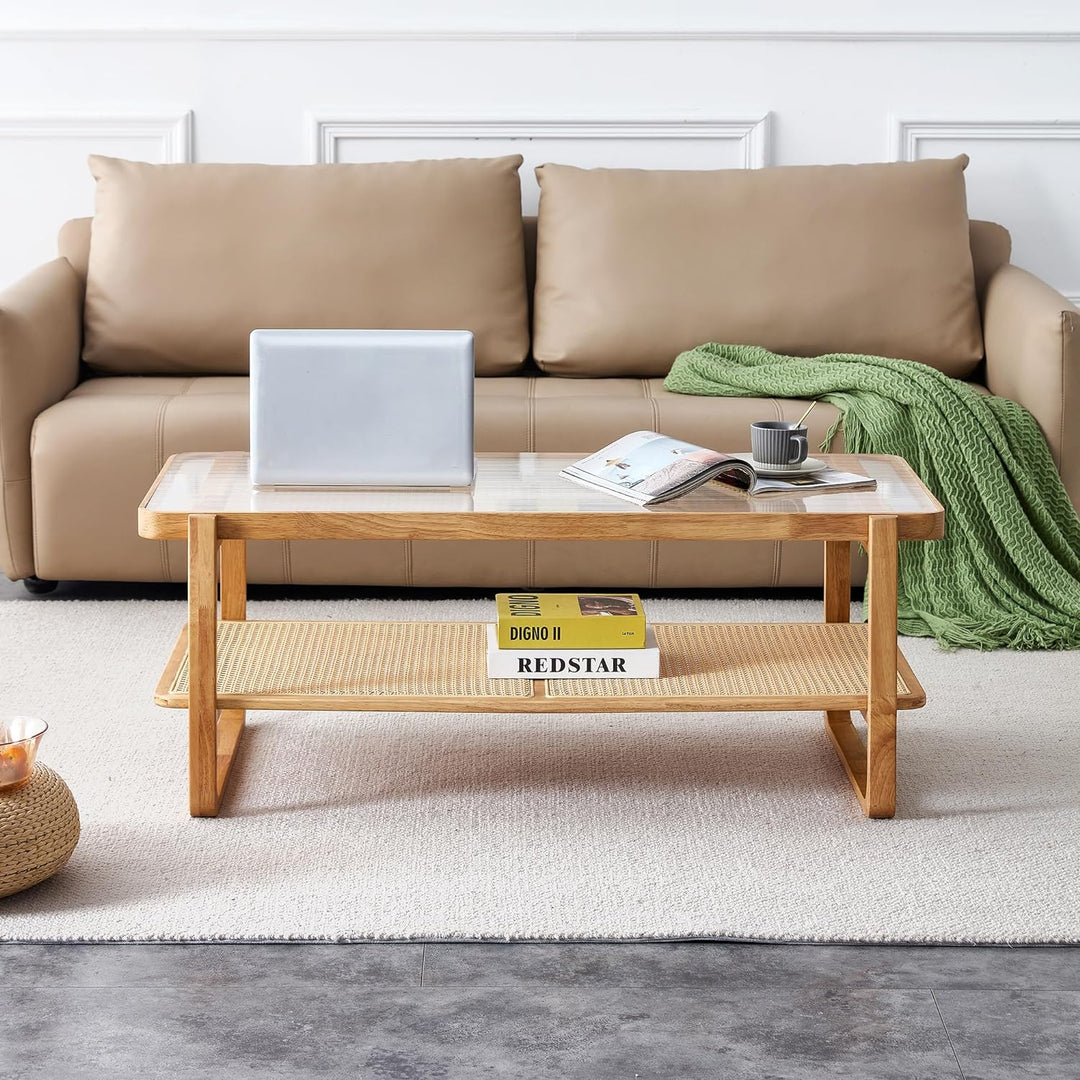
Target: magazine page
x,y
823,479
648,467
826,480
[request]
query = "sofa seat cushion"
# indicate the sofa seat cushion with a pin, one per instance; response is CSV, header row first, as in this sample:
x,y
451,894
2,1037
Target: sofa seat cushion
x,y
95,454
525,413
551,415
635,266
186,260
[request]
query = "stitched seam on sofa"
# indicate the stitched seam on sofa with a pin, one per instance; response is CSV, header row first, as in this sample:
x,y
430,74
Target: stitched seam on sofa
x,y
33,500
4,507
159,452
7,516
7,519
286,561
33,523
3,498
654,405
777,544
530,409
408,562
778,562
166,561
654,545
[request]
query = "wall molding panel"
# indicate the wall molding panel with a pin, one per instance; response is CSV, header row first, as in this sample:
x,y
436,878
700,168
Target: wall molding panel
x,y
906,135
585,82
347,33
43,175
172,130
325,132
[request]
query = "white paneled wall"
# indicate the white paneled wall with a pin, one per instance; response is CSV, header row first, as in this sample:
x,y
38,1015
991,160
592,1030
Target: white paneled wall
x,y
43,173
690,85
678,144
1031,167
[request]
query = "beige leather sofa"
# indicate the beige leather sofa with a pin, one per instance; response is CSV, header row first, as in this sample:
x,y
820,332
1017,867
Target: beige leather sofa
x,y
79,445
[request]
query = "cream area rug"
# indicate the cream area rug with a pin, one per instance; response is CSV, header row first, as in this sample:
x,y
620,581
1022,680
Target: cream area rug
x,y
444,826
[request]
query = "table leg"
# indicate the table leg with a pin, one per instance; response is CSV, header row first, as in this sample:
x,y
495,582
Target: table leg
x,y
838,610
870,765
234,580
881,700
233,608
837,581
849,746
202,664
213,734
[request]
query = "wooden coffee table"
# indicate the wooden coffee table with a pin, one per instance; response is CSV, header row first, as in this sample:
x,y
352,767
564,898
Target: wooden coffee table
x,y
224,664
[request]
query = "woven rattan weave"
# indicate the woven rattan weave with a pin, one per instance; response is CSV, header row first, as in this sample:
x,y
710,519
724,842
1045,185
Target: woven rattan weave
x,y
441,666
39,828
342,659
745,660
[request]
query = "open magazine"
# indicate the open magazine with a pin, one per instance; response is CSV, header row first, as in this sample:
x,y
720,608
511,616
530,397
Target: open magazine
x,y
648,467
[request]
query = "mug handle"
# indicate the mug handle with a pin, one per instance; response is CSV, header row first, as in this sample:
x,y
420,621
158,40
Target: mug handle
x,y
802,448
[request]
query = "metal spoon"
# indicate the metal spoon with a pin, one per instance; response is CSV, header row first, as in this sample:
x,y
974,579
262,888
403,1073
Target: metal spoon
x,y
799,422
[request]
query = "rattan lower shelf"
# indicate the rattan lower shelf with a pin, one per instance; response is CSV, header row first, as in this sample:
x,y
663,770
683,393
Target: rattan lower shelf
x,y
440,667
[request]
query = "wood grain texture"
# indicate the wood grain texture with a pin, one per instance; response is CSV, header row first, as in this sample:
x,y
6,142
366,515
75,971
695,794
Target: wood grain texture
x,y
837,581
535,703
202,648
521,497
477,525
882,659
233,579
178,655
850,748
230,727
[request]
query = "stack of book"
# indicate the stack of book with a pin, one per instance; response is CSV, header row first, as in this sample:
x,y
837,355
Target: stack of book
x,y
571,636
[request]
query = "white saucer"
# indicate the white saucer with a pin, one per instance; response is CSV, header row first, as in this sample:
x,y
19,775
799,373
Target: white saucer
x,y
803,468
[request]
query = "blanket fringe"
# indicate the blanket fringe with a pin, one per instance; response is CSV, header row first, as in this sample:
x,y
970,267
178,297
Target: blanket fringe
x,y
959,633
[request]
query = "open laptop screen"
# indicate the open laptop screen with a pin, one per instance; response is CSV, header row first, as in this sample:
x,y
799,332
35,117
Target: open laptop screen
x,y
362,408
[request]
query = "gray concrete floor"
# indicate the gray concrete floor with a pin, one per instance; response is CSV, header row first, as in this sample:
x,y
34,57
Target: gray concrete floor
x,y
561,1010
590,1011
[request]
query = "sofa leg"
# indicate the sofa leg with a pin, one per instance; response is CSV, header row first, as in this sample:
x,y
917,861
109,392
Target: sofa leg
x,y
38,587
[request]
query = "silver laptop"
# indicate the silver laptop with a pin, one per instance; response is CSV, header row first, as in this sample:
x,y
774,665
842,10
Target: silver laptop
x,y
361,408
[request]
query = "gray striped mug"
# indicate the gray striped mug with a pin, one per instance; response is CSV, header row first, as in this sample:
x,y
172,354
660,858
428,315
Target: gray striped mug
x,y
779,442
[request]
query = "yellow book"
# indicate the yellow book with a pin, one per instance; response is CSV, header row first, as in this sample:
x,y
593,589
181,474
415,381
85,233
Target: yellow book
x,y
570,620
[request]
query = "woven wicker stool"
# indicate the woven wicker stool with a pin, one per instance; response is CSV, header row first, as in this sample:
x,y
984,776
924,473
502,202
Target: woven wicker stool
x,y
39,828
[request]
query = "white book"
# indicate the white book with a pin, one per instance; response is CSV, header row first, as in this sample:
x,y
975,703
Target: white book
x,y
573,663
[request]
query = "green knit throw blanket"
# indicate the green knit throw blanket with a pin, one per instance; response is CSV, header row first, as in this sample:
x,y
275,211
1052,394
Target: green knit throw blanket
x,y
1007,573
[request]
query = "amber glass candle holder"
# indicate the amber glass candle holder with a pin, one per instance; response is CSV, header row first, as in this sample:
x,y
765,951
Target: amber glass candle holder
x,y
19,738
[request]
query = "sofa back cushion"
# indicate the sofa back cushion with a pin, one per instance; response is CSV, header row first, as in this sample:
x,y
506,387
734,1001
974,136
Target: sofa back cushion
x,y
634,266
991,248
186,260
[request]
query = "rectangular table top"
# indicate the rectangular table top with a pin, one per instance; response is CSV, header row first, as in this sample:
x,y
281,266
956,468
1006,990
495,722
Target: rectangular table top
x,y
522,497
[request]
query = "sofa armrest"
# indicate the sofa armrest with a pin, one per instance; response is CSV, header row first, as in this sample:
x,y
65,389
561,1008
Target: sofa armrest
x,y
40,339
1032,340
